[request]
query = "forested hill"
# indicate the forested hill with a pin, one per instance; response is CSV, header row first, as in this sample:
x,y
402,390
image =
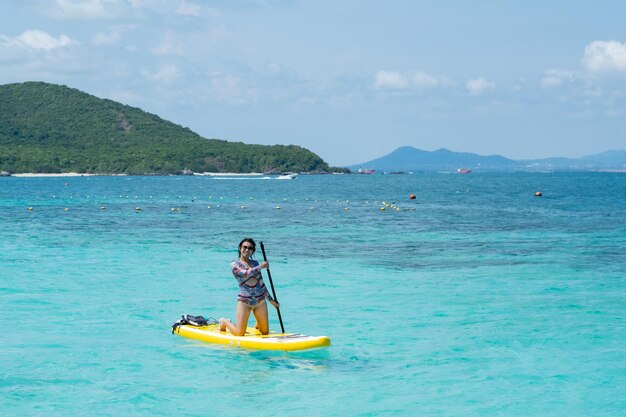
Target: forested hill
x,y
47,128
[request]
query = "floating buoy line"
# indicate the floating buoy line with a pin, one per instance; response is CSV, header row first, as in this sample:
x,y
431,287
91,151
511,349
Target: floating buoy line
x,y
182,204
281,206
286,204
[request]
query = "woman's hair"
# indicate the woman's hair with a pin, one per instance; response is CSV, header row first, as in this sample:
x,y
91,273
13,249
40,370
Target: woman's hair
x,y
250,241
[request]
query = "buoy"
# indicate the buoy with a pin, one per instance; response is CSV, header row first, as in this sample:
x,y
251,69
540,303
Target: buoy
x,y
103,208
137,208
412,197
243,207
277,207
30,209
538,194
66,209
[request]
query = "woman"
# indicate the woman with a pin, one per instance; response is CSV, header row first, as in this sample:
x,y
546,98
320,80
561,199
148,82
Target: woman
x,y
252,292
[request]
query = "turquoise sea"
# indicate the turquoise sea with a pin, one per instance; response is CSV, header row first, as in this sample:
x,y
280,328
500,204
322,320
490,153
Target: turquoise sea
x,y
475,299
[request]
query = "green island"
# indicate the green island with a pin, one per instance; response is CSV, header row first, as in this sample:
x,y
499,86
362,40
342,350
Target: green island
x,y
49,128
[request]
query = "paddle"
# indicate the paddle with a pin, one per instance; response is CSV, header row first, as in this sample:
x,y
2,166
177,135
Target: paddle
x,y
269,274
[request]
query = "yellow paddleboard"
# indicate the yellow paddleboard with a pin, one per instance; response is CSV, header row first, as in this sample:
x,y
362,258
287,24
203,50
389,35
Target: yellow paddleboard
x,y
252,339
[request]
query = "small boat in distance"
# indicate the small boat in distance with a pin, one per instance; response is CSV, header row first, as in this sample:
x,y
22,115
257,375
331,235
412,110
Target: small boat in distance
x,y
366,171
463,170
288,176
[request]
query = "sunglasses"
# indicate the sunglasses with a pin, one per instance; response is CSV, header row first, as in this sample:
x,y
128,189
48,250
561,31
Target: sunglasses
x,y
243,247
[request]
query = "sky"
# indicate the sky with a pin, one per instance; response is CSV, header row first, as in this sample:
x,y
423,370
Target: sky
x,y
350,80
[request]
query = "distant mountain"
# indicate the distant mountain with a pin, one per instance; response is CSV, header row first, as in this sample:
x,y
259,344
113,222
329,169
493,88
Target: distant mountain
x,y
609,160
409,159
615,158
48,128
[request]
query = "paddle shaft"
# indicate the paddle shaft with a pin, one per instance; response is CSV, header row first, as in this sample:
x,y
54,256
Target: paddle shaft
x,y
269,274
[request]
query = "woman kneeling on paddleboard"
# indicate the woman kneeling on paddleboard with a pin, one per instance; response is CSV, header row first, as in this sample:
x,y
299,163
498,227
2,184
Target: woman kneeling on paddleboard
x,y
252,292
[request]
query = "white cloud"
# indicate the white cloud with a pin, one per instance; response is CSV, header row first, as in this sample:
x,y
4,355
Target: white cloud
x,y
188,8
424,80
170,45
37,39
390,80
150,4
112,37
555,78
232,89
478,86
167,74
394,80
85,9
605,57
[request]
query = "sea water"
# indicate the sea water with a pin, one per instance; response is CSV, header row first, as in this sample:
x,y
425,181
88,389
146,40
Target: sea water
x,y
476,298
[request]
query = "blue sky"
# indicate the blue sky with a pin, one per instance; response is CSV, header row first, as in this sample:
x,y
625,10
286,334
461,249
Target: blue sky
x,y
350,80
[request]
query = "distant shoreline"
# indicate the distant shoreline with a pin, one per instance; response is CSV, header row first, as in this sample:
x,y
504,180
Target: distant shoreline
x,y
250,174
63,174
78,174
